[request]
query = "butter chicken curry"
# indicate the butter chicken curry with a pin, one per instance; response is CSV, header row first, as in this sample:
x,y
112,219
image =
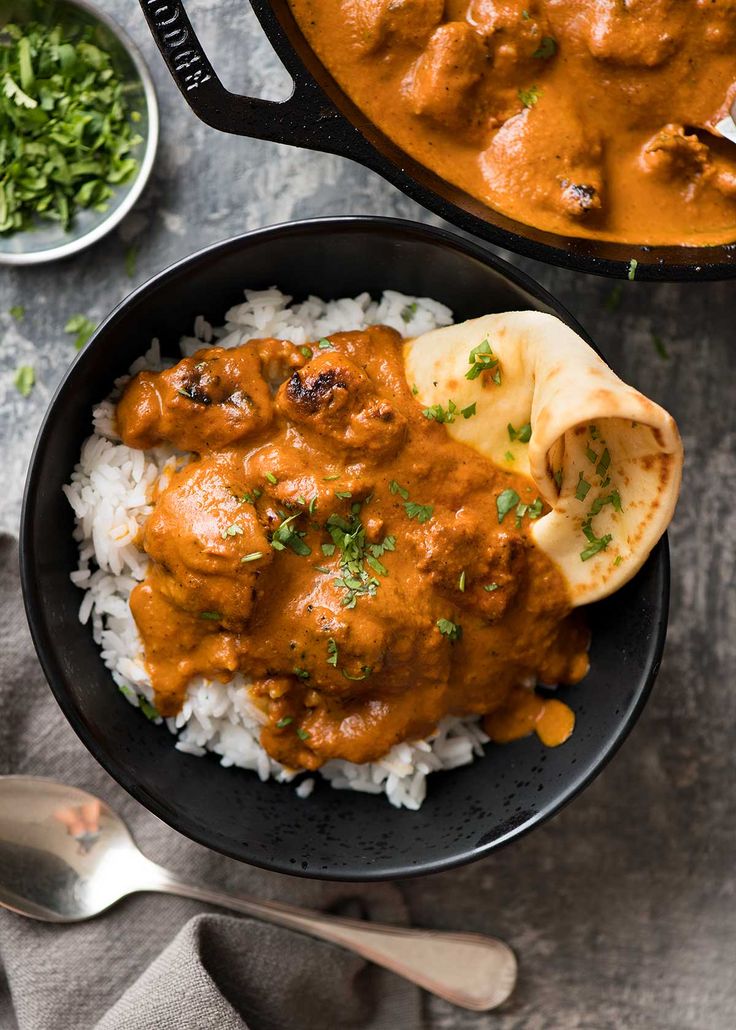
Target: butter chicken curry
x,y
583,118
331,541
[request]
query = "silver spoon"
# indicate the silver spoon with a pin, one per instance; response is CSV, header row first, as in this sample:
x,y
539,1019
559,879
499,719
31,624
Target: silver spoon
x,y
65,856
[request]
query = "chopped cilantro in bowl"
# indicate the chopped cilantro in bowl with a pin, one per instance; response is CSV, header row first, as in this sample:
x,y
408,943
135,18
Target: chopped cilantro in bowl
x,y
78,128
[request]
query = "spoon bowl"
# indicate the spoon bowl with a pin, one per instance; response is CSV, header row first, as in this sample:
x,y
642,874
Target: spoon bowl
x,y
65,856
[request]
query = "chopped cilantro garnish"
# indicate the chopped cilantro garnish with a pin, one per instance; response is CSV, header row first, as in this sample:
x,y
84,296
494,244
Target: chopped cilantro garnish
x,y
67,132
271,478
234,530
25,378
147,708
376,565
490,587
436,413
523,434
591,455
469,411
348,536
595,546
332,652
509,456
603,464
421,512
324,344
389,544
546,49
328,550
343,494
482,359
211,616
396,488
302,734
330,479
286,536
301,673
505,501
600,502
365,671
414,389
558,478
306,352
529,97
449,629
534,510
409,311
583,488
250,497
286,720
17,312
618,559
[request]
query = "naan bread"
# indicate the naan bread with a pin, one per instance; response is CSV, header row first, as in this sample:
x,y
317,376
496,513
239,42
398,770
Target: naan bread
x,y
607,460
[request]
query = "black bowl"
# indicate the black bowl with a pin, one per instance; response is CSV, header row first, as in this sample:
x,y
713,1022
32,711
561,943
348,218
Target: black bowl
x,y
320,116
332,834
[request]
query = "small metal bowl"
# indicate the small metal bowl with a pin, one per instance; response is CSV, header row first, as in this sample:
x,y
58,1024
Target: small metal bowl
x,y
48,241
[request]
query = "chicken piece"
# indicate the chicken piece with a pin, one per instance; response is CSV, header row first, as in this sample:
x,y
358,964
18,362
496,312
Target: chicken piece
x,y
497,562
379,24
441,81
673,154
332,397
552,161
719,16
516,31
724,180
205,402
199,532
635,33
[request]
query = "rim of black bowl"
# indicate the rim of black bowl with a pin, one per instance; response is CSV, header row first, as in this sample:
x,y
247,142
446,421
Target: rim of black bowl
x,y
46,647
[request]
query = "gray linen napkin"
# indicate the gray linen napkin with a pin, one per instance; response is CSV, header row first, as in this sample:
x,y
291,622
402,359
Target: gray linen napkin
x,y
154,962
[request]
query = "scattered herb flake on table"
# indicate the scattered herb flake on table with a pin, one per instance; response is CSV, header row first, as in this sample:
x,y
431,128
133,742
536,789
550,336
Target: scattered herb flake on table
x,y
25,377
82,327
131,257
66,129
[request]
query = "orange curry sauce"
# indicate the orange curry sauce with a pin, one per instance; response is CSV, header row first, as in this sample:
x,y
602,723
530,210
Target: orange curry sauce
x,y
583,118
336,546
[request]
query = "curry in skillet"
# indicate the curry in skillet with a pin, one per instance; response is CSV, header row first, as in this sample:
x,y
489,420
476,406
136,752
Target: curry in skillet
x,y
331,540
583,118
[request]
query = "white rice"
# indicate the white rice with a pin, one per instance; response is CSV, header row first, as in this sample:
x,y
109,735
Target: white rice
x,y
111,490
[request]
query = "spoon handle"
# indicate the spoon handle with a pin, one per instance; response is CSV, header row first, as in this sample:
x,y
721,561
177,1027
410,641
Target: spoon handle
x,y
467,969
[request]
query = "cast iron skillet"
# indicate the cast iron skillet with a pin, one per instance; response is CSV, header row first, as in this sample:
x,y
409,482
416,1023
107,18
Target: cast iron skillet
x,y
319,116
469,811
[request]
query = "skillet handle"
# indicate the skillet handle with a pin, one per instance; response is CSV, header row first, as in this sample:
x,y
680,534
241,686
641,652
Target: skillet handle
x,y
306,119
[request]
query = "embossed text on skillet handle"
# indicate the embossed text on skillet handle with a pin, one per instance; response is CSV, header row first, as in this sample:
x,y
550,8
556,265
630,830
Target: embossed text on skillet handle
x,y
307,118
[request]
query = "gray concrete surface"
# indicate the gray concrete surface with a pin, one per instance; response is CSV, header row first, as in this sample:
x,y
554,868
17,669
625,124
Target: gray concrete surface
x,y
623,908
